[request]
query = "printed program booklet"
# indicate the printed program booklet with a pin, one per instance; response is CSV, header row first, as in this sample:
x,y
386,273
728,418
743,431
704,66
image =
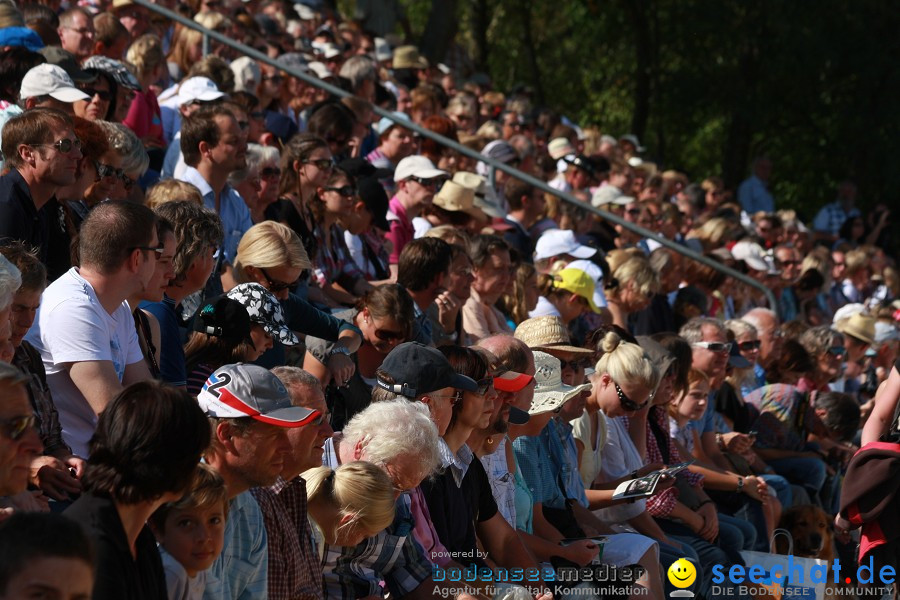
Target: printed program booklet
x,y
644,487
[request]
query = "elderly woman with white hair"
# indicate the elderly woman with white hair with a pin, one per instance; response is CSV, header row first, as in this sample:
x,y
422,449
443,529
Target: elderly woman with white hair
x,y
257,183
10,280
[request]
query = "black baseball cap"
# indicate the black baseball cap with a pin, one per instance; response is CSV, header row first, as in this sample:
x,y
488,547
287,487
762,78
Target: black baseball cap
x,y
225,318
418,369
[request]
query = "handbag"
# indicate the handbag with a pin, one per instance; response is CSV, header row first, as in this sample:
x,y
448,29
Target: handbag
x,y
803,589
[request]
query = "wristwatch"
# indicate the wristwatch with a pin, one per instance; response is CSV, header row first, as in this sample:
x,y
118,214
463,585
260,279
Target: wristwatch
x,y
740,486
339,350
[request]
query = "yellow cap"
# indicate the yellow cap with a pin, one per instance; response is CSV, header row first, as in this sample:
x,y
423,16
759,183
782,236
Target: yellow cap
x,y
578,282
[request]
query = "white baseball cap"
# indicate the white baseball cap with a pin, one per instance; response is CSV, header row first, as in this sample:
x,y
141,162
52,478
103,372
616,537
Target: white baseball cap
x,y
417,166
196,89
561,241
754,256
50,80
610,194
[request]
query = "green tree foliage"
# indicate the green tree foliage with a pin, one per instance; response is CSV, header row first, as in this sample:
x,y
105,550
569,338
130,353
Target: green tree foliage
x,y
708,84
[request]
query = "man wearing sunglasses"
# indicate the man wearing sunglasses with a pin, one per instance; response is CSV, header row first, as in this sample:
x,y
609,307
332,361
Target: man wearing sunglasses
x,y
40,164
84,329
417,181
19,440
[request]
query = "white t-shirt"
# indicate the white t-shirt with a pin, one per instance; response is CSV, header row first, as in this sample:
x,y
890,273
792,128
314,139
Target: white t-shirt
x,y
72,326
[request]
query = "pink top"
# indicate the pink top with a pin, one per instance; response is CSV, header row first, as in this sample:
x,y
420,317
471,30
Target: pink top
x,y
402,230
144,118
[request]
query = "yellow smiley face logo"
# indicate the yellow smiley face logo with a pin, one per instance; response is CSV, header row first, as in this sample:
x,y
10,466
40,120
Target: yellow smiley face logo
x,y
682,573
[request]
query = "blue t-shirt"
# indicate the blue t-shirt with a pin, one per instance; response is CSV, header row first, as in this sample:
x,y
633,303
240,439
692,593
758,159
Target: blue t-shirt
x,y
172,366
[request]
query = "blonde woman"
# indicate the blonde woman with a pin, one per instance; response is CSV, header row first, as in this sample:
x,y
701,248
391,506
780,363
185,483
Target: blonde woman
x,y
630,289
348,504
144,117
272,255
524,296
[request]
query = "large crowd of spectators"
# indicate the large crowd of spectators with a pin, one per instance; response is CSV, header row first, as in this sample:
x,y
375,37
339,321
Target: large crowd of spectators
x,y
256,342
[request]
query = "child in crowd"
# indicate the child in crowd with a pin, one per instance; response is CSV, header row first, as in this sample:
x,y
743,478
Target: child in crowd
x,y
688,407
191,533
348,504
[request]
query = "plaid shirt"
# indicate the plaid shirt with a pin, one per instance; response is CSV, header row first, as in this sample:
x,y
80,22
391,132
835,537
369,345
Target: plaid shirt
x,y
565,454
240,572
333,262
294,569
662,503
28,360
503,483
392,555
536,466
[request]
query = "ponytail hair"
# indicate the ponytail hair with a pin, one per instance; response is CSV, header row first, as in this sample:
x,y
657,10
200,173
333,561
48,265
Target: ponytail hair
x,y
359,489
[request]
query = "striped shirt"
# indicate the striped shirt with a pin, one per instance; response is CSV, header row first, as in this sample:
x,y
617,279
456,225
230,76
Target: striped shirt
x,y
503,483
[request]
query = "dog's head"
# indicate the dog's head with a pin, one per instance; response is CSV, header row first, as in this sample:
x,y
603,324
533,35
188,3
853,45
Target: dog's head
x,y
809,526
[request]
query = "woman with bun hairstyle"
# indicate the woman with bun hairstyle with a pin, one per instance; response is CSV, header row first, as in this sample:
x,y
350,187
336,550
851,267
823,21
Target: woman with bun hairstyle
x,y
348,504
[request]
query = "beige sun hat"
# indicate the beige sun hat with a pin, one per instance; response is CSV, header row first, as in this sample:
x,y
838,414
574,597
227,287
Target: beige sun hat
x,y
547,333
408,57
458,198
550,392
860,326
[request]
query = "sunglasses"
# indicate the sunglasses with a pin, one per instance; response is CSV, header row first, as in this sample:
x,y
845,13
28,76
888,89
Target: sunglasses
x,y
714,346
104,95
322,418
347,191
626,402
386,335
64,145
484,385
272,78
837,350
749,346
104,171
270,173
581,363
428,183
323,164
126,181
16,427
275,285
158,250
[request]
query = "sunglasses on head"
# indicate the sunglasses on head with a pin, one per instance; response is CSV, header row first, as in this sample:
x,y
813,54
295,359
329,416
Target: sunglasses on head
x,y
275,285
16,427
347,191
750,346
626,402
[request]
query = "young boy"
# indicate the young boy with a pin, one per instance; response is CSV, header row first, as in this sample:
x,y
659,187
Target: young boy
x,y
44,556
191,533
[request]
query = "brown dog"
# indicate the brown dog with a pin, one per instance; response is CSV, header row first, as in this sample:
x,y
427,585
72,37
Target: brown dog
x,y
810,527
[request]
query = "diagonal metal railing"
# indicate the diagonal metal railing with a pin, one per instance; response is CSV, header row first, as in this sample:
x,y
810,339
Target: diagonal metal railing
x,y
493,163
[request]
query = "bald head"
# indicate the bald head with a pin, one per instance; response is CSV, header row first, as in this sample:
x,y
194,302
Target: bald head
x,y
770,335
512,353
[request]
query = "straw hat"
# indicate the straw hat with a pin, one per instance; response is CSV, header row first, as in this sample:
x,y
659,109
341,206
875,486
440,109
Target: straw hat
x,y
859,326
542,333
550,392
408,57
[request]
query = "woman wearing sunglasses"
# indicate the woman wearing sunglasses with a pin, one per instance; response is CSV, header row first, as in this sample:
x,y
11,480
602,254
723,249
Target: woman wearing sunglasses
x,y
335,271
384,315
746,338
631,287
272,255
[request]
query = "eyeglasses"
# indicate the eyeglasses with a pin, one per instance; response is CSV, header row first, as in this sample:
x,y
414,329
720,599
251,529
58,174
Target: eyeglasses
x,y
16,427
837,351
64,145
750,346
427,183
104,95
104,171
323,164
626,402
275,285
454,398
322,418
158,250
581,363
714,346
386,335
484,385
347,191
81,31
789,263
270,173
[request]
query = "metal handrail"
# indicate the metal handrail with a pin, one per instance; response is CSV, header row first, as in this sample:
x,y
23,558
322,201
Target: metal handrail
x,y
493,163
